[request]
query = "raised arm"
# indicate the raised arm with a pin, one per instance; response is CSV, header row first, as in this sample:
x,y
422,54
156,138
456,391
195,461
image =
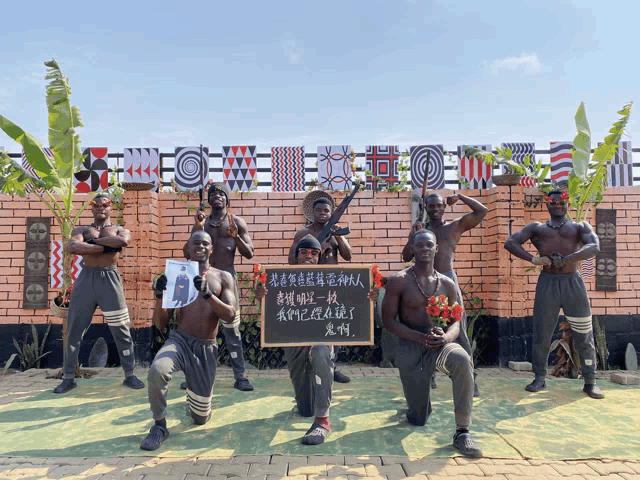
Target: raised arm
x,y
343,245
119,240
390,310
78,246
514,245
161,315
590,241
473,218
239,232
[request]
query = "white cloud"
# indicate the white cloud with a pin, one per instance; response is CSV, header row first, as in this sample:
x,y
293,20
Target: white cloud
x,y
293,50
525,62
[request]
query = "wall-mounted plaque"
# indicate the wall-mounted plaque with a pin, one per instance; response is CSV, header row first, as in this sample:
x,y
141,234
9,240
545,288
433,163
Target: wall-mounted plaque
x,y
36,262
606,267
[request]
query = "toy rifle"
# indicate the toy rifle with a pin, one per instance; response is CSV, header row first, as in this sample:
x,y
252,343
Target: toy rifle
x,y
201,190
326,232
425,183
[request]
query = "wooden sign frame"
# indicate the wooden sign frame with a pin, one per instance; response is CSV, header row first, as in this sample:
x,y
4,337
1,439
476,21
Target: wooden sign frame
x,y
370,341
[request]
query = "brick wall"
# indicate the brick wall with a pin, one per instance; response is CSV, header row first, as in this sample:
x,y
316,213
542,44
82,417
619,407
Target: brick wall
x,y
160,224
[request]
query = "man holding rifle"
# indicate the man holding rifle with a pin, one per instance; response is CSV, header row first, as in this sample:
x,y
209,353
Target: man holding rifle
x,y
333,242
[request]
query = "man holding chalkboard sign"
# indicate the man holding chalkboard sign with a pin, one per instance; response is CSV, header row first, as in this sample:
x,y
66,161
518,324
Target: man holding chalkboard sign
x,y
311,367
410,307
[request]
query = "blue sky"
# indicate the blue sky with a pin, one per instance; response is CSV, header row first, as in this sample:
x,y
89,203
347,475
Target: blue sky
x,y
288,73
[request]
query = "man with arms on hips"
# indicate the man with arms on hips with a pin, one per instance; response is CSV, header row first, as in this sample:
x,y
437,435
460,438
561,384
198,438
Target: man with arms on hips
x,y
448,235
334,247
228,234
422,348
191,347
311,367
561,245
98,285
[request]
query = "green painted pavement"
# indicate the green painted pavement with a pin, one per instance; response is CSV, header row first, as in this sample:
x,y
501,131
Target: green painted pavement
x,y
101,418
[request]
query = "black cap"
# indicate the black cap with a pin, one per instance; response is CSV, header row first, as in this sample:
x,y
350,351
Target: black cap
x,y
308,241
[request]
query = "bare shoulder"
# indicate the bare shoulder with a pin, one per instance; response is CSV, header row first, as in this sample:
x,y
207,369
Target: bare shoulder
x,y
397,281
225,278
240,222
583,226
301,233
446,282
122,231
79,231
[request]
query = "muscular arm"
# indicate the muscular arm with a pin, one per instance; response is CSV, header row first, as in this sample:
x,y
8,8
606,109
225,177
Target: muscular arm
x,y
120,239
390,308
225,306
591,244
514,243
478,212
343,247
243,241
77,245
292,249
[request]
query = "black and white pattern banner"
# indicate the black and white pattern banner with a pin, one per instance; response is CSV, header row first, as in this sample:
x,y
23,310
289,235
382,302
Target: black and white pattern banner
x,y
560,155
189,165
520,150
418,162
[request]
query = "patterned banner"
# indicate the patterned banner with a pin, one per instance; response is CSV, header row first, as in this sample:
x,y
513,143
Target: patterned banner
x,y
142,165
35,262
239,167
474,170
94,176
334,167
287,169
29,168
587,268
519,151
418,162
56,265
621,167
382,162
561,161
189,167
606,267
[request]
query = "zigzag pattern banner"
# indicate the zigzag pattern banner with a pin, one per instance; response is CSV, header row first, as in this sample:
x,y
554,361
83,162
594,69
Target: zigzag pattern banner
x,y
29,168
561,158
239,167
474,170
94,176
382,162
418,162
56,265
142,165
189,167
334,167
287,169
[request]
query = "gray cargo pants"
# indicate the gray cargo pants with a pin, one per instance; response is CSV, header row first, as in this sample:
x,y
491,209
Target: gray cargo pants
x,y
311,372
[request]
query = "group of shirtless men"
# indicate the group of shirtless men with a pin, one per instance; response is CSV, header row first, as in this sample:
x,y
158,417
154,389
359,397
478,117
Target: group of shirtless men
x,y
421,350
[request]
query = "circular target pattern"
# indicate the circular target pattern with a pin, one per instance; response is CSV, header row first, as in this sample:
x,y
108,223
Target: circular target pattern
x,y
418,159
189,167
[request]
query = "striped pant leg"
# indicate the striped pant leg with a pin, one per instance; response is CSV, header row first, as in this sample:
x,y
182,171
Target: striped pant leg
x,y
168,360
116,314
578,314
454,362
200,376
81,309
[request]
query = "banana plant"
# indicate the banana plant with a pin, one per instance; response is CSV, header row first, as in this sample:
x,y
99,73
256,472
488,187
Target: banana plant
x,y
588,178
53,175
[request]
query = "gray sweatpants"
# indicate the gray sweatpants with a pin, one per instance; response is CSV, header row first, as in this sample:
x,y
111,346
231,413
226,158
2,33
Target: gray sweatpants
x,y
232,337
98,287
463,338
311,372
416,364
566,291
197,358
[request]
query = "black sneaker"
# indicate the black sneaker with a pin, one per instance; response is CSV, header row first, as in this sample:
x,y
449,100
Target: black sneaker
x,y
243,385
466,445
593,391
133,382
340,377
433,382
183,386
535,386
66,385
157,435
315,435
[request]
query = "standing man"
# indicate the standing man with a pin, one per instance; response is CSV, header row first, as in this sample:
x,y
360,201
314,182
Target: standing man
x,y
421,348
98,285
561,245
228,233
322,210
191,347
448,235
311,367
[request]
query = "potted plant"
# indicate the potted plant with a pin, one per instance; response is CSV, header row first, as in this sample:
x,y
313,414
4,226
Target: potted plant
x,y
514,171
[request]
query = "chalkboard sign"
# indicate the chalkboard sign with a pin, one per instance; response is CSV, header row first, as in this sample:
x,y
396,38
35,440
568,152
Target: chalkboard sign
x,y
317,304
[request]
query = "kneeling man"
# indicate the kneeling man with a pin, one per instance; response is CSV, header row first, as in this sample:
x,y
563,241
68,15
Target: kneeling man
x,y
422,348
192,346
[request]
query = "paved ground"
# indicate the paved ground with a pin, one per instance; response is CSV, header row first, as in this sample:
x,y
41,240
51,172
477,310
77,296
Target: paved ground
x,y
312,467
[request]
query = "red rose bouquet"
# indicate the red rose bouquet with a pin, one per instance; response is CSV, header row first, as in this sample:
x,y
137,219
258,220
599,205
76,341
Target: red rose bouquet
x,y
442,313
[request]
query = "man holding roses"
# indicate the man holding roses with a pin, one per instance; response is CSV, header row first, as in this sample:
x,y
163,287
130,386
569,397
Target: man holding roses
x,y
418,302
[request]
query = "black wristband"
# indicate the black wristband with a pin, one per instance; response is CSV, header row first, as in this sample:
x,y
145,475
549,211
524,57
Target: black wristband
x,y
91,241
158,295
207,295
